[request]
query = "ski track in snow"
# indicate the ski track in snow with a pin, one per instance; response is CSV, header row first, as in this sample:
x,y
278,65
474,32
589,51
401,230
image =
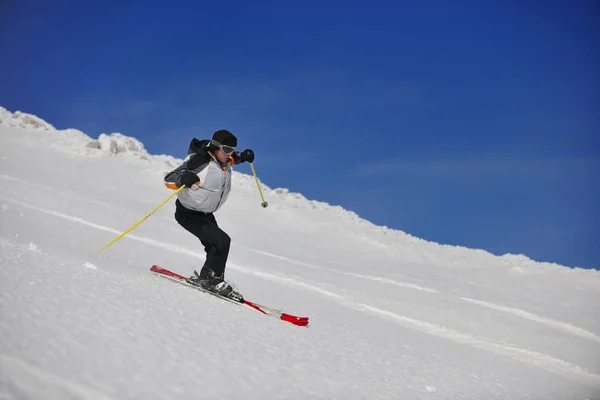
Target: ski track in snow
x,y
529,357
565,327
361,276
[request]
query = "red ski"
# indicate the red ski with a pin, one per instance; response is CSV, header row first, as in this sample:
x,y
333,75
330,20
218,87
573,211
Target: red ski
x,y
300,321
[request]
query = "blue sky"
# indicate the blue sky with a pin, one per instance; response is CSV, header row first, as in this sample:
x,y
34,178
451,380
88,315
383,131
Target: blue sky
x,y
472,123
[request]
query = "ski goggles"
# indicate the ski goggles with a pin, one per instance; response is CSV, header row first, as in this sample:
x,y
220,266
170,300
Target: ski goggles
x,y
226,149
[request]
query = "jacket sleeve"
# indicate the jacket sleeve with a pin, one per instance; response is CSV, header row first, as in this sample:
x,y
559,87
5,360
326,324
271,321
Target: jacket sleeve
x,y
195,163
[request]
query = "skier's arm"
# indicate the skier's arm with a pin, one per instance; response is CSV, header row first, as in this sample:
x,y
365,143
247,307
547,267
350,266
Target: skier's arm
x,y
183,175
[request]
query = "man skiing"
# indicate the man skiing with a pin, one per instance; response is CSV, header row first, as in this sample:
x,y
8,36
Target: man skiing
x,y
206,173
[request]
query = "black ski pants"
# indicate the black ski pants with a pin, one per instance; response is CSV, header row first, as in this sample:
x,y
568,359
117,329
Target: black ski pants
x,y
204,226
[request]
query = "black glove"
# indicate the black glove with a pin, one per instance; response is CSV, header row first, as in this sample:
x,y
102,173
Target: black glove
x,y
247,156
189,179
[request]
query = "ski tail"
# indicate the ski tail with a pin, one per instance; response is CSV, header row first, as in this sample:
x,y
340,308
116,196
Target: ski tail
x,y
162,271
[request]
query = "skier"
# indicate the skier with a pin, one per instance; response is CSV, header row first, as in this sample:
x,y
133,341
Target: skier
x,y
206,173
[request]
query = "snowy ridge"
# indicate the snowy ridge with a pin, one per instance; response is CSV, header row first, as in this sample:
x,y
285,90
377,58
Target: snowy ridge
x,y
23,120
78,143
113,144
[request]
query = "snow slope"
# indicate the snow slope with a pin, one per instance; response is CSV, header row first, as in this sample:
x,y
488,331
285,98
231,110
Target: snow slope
x,y
392,316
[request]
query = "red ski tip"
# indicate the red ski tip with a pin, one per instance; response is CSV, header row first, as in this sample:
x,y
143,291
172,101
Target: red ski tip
x,y
300,321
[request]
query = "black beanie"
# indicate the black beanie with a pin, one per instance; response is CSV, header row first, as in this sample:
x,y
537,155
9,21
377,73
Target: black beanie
x,y
225,137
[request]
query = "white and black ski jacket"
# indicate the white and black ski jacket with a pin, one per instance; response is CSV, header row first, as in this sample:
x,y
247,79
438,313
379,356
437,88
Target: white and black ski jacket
x,y
215,178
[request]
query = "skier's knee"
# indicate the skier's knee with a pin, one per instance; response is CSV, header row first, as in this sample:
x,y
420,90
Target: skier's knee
x,y
225,241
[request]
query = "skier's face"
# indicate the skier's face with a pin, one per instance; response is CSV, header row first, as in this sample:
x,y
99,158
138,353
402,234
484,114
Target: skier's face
x,y
222,156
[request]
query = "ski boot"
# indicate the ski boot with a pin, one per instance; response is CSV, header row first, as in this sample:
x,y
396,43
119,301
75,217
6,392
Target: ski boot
x,y
208,280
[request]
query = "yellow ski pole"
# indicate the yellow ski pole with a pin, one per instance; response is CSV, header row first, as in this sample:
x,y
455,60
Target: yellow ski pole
x,y
264,203
142,220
